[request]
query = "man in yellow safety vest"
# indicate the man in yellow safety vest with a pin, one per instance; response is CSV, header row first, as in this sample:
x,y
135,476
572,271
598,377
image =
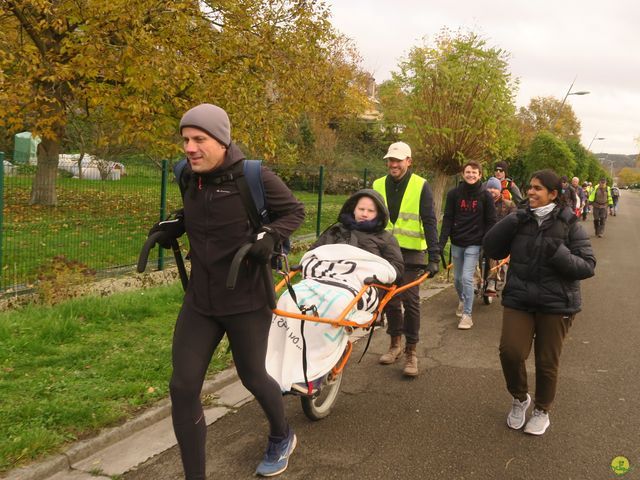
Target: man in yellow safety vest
x,y
413,222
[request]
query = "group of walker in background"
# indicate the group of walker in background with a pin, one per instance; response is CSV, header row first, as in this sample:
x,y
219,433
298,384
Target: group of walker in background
x,y
395,220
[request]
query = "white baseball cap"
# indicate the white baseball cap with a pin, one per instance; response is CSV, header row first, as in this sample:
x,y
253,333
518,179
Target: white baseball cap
x,y
399,151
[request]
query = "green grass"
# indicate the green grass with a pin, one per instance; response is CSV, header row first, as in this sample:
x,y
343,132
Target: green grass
x,y
69,370
99,224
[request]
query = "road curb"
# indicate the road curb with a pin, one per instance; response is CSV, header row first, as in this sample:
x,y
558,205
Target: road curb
x,y
107,437
84,449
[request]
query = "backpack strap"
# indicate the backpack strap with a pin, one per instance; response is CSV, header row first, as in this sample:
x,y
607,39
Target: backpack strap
x,y
178,172
251,189
248,177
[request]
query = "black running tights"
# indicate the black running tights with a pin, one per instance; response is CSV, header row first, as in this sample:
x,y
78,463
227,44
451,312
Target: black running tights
x,y
195,338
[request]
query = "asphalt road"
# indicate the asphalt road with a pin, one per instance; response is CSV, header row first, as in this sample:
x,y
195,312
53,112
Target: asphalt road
x,y
449,422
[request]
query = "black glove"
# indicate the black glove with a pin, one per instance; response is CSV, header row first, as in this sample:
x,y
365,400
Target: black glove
x,y
432,268
263,245
171,228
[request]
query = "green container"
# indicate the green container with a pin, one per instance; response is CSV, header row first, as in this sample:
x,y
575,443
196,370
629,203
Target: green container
x,y
25,148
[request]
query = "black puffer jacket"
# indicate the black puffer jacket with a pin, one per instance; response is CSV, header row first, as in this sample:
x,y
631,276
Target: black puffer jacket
x,y
547,261
379,241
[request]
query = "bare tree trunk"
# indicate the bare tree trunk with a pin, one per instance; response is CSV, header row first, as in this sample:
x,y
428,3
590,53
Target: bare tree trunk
x,y
43,189
439,185
80,164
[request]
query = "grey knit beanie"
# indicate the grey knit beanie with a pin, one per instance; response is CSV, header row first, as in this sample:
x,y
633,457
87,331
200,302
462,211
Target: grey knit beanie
x,y
210,119
493,182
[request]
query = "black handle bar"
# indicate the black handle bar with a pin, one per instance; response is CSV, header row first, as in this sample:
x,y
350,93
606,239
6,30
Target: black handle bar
x,y
143,258
151,241
236,263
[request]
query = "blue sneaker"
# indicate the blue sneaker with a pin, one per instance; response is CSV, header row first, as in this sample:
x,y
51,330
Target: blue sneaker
x,y
276,458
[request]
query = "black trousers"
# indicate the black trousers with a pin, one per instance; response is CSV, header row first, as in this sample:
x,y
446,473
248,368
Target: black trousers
x,y
195,338
599,219
407,322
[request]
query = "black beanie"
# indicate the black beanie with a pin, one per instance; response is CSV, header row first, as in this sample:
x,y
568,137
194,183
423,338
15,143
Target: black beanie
x,y
210,119
501,164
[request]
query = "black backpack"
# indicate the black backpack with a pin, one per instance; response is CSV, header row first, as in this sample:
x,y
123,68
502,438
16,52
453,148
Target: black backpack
x,y
247,175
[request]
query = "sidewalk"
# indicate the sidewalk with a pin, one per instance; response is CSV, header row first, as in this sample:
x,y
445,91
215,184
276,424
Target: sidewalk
x,y
117,450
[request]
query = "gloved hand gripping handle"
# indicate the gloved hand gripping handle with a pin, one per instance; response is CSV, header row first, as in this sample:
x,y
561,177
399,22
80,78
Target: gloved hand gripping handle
x,y
237,262
151,242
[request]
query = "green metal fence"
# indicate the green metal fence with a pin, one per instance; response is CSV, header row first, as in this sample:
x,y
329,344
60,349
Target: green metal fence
x,y
101,225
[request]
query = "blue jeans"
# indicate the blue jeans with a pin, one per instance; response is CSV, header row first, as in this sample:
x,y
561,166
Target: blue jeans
x,y
465,261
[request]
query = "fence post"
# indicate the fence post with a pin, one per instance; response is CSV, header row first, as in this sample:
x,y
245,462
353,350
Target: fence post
x,y
1,213
163,207
320,193
366,171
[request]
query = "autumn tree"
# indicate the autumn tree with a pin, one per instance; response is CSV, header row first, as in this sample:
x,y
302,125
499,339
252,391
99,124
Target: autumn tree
x,y
547,114
142,64
134,60
282,63
629,176
452,101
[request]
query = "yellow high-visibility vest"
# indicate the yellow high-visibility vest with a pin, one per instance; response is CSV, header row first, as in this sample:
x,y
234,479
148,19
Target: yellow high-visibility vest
x,y
408,228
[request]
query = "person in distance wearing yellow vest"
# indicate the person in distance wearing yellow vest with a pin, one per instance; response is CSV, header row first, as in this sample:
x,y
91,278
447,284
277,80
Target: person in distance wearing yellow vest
x,y
412,221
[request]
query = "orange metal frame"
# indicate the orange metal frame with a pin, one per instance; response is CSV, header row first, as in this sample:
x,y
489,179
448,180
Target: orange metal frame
x,y
341,320
335,371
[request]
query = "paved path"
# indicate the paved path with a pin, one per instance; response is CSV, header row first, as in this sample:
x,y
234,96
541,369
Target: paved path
x,y
449,422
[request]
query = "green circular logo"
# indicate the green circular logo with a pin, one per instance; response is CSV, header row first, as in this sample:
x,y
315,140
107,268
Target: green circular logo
x,y
620,465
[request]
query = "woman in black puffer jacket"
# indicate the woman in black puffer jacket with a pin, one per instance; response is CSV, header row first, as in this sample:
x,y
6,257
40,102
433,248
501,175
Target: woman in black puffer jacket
x,y
550,254
362,223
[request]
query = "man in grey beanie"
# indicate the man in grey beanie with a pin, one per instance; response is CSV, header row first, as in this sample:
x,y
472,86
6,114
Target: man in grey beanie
x,y
217,224
210,119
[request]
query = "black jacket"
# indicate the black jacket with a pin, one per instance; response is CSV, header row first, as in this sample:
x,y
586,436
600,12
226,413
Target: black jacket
x,y
378,241
395,192
547,261
217,224
469,213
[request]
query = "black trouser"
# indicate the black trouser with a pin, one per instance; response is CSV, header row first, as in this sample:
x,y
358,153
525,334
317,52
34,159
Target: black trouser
x,y
407,322
599,219
195,338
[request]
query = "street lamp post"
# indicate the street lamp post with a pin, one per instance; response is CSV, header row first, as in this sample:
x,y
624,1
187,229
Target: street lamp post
x,y
569,92
595,137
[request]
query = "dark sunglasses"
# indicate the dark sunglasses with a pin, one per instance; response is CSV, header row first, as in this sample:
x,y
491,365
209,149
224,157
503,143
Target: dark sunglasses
x,y
498,169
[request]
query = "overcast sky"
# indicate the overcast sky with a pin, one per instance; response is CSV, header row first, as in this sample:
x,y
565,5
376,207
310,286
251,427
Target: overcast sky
x,y
551,42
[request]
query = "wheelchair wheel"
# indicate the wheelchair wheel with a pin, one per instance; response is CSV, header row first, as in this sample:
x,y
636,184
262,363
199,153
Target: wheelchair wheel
x,y
319,406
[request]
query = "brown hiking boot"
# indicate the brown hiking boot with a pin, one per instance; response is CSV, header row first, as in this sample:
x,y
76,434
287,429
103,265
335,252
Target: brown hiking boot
x,y
410,361
395,350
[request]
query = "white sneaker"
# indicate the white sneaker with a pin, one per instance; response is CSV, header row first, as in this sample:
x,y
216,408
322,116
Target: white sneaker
x,y
460,309
465,322
538,423
518,411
